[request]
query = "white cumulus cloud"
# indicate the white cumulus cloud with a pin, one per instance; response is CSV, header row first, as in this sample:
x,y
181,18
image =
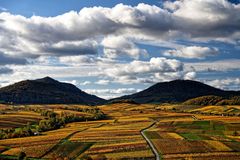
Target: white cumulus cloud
x,y
192,52
120,46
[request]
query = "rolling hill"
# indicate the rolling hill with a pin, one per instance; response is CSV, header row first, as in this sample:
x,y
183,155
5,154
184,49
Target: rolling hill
x,y
204,100
46,91
176,91
213,100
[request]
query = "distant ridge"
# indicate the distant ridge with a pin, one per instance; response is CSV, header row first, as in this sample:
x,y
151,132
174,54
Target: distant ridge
x,y
50,91
176,91
46,91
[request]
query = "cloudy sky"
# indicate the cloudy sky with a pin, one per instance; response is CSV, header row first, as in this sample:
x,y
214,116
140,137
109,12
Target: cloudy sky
x,y
112,48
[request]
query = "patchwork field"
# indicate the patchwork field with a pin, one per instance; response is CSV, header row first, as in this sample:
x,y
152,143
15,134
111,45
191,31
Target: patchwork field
x,y
201,137
227,110
173,135
15,119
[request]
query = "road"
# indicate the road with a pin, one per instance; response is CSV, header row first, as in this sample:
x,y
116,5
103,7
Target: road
x,y
149,141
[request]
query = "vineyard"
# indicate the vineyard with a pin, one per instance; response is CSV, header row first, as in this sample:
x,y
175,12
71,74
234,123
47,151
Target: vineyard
x,y
174,135
201,137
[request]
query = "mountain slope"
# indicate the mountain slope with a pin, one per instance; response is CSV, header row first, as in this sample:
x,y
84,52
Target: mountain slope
x,y
204,100
176,91
46,91
213,100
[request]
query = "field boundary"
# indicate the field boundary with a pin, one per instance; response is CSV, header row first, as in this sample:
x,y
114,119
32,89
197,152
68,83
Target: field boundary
x,y
60,142
67,138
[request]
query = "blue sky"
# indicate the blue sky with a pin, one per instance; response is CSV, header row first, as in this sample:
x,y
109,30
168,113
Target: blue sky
x,y
56,7
112,48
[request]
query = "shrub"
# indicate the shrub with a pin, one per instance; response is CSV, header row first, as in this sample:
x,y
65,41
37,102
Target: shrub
x,y
21,156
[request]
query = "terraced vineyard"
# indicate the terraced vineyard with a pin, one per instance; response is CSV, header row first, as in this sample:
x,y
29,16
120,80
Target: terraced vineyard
x,y
174,135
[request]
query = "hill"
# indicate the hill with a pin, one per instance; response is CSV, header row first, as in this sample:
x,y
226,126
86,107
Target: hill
x,y
176,91
46,91
204,100
213,100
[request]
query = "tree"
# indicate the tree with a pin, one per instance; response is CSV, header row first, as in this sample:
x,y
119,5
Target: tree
x,y
21,156
235,133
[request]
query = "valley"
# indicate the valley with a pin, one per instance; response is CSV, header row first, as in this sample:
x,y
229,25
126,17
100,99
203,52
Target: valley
x,y
175,135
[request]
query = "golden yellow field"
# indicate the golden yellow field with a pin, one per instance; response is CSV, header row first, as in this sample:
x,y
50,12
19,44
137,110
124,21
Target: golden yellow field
x,y
16,119
174,135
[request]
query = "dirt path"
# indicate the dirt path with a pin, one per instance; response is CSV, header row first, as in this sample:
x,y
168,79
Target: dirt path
x,y
151,145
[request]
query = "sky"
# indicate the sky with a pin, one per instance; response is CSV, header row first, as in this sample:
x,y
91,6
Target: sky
x,y
114,48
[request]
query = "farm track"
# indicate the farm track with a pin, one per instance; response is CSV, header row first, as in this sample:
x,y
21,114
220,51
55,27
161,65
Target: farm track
x,y
151,145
